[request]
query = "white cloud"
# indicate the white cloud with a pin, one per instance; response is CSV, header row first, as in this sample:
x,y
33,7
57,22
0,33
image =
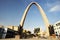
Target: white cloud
x,y
55,8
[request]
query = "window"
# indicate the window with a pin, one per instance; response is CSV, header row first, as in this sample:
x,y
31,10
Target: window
x,y
59,27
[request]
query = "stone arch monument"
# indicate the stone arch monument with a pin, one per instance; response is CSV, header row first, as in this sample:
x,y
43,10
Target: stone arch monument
x,y
42,13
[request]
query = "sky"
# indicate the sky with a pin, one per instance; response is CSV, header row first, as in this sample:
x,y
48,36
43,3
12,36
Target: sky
x,y
11,12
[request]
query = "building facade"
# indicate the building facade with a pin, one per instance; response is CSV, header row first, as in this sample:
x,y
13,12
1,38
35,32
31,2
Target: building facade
x,y
57,28
11,31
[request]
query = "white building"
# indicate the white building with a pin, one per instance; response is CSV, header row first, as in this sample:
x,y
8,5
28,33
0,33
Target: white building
x,y
57,28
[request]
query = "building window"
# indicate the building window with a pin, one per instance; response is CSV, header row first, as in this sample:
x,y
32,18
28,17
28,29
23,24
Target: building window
x,y
59,27
58,24
54,28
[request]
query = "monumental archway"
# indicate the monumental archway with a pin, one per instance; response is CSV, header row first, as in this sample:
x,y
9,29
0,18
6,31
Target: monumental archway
x,y
42,13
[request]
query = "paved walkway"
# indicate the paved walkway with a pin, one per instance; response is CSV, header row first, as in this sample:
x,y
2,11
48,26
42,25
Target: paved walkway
x,y
32,39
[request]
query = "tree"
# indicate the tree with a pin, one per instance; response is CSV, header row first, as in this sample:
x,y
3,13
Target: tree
x,y
29,32
36,30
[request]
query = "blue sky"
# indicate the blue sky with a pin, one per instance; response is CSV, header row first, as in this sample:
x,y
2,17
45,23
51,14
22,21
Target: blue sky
x,y
11,12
